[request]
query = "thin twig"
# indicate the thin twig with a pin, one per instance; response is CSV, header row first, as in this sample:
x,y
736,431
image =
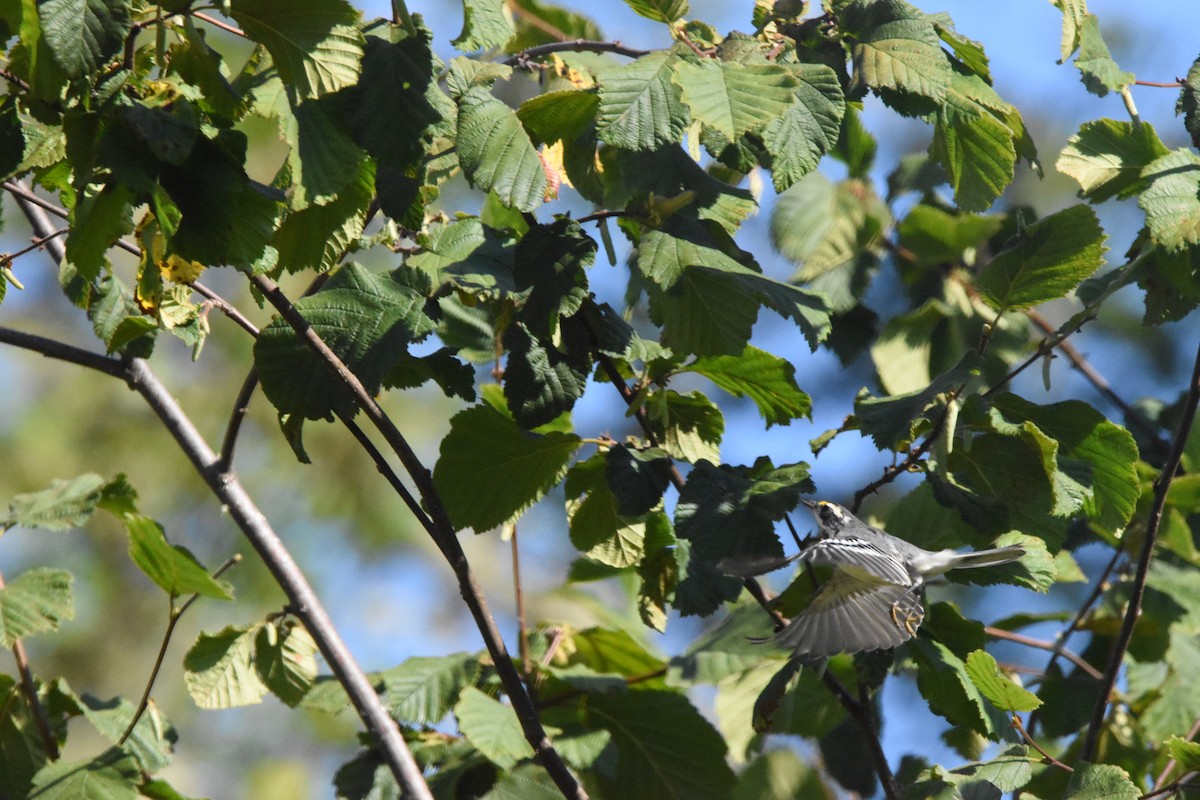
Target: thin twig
x,y
173,616
38,243
863,717
1046,757
576,46
241,405
1174,787
1161,780
1161,485
443,533
216,23
518,590
41,719
1157,85
1041,644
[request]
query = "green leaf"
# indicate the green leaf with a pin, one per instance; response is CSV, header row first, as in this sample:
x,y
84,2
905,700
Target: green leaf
x,y
64,506
599,532
896,47
689,427
1099,73
975,141
485,26
943,681
317,52
99,220
397,107
889,420
286,659
1008,772
637,478
534,19
1107,157
492,727
496,153
1185,752
172,567
483,488
667,748
779,775
469,255
319,237
821,225
768,380
1171,199
559,116
219,669
611,651
110,776
84,34
37,600
422,690
935,236
525,782
1073,12
659,10
1050,259
996,686
1101,782
809,129
366,319
640,106
703,313
1188,105
735,98
153,739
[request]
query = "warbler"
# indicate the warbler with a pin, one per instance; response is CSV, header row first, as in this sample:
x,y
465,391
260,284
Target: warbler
x,y
873,599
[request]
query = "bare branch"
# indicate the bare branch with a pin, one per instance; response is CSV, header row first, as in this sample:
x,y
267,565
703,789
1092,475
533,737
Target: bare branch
x,y
1161,485
443,533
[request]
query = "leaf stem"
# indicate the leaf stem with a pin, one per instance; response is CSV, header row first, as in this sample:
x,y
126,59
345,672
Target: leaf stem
x,y
172,620
1041,644
1161,485
1046,757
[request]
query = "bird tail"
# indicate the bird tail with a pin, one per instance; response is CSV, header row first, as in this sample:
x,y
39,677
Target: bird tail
x,y
986,558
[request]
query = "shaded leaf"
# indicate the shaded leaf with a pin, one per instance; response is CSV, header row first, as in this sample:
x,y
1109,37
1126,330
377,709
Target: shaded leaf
x,y
1107,157
219,669
492,727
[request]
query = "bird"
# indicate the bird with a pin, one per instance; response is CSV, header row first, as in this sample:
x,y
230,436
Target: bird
x,y
872,601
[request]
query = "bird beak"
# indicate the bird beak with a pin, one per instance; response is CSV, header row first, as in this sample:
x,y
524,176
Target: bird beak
x,y
810,504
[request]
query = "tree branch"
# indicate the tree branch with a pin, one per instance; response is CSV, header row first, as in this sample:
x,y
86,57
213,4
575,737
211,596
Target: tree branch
x,y
577,46
1054,647
443,533
863,717
1161,485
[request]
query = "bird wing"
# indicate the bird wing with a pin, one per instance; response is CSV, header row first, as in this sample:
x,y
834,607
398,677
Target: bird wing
x,y
858,552
851,614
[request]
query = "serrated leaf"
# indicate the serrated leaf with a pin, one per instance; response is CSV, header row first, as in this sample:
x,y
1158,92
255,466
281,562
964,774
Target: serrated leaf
x,y
36,600
668,749
974,143
153,739
319,237
637,478
1171,200
286,659
766,379
659,10
821,225
485,26
943,681
1008,772
364,318
422,690
110,776
496,154
895,47
525,782
172,567
889,420
1099,73
809,129
1050,259
219,669
689,427
700,314
1186,753
492,727
317,52
735,98
559,116
935,236
599,532
997,687
484,488
1107,157
640,106
1101,782
98,221
84,34
64,506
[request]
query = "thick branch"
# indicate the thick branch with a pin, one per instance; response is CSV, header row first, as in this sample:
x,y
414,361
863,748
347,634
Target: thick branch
x,y
444,536
1161,485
